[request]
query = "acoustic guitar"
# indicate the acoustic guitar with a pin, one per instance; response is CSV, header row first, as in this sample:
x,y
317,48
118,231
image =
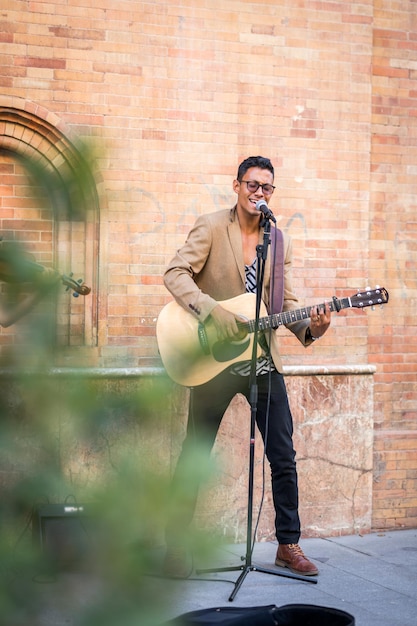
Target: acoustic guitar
x,y
191,352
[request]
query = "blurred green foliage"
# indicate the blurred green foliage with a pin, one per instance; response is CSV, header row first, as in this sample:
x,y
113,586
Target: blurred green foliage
x,y
104,444
101,445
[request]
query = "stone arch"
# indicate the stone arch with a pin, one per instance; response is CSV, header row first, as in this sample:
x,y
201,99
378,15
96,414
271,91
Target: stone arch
x,y
36,140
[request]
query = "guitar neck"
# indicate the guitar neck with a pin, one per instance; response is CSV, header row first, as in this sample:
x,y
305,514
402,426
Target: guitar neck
x,y
286,317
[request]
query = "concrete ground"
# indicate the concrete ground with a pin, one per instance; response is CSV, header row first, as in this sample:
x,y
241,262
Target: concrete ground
x,y
371,577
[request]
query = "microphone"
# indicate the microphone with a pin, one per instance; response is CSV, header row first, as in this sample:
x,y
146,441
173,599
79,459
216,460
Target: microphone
x,y
262,206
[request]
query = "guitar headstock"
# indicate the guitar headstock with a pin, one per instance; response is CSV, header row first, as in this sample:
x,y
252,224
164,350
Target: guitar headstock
x,y
369,297
78,287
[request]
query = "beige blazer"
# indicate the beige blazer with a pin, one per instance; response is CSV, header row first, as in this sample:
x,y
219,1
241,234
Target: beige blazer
x,y
210,268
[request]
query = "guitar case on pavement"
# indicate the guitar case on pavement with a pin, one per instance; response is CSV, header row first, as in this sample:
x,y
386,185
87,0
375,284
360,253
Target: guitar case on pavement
x,y
270,615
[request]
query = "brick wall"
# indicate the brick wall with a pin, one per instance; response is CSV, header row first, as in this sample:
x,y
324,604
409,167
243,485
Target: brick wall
x,y
392,247
173,97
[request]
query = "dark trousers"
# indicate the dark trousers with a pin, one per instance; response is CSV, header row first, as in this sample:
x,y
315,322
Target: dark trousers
x,y
208,404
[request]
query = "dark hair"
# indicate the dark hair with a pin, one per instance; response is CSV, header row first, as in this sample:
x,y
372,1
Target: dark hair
x,y
254,161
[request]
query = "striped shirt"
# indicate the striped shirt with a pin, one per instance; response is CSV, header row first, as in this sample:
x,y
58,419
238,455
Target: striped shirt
x,y
264,364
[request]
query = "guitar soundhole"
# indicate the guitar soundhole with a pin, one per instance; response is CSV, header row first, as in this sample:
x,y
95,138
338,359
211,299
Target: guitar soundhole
x,y
224,351
203,339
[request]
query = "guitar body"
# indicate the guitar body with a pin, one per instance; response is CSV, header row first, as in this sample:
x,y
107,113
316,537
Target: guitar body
x,y
191,353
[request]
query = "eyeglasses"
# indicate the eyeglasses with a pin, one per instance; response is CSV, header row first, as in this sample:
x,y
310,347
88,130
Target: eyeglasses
x,y
253,186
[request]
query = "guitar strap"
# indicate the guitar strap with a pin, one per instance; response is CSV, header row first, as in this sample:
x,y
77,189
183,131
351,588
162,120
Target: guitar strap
x,y
277,270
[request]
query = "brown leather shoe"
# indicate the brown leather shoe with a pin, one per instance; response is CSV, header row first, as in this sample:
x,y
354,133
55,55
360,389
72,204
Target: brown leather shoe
x,y
290,555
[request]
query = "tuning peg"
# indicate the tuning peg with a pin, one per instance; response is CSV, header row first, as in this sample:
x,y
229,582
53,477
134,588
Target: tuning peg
x,y
69,276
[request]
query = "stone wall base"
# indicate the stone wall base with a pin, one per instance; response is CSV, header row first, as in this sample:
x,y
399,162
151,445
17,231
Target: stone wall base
x,y
84,425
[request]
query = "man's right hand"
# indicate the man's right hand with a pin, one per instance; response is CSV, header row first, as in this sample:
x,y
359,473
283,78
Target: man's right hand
x,y
226,324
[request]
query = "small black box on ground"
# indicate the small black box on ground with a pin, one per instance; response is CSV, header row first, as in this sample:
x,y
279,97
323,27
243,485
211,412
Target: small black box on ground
x,y
63,532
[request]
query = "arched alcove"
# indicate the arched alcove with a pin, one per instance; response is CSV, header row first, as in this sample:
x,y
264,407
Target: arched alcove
x,y
49,202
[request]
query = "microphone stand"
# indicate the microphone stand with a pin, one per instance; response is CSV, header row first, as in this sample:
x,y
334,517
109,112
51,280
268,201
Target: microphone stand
x,y
248,566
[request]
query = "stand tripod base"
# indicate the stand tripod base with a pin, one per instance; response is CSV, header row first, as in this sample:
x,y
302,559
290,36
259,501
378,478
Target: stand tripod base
x,y
245,569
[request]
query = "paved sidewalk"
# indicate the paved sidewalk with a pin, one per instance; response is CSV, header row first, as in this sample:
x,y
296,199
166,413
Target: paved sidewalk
x,y
373,577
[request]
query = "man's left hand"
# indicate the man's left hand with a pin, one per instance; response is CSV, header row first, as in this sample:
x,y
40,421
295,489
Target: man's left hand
x,y
319,320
